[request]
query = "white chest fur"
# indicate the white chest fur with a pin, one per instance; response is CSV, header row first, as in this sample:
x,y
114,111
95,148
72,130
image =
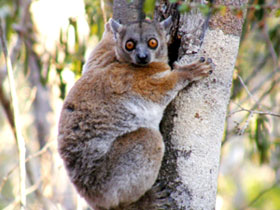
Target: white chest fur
x,y
148,114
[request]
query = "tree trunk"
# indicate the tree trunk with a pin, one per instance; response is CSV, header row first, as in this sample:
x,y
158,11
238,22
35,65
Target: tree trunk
x,y
193,124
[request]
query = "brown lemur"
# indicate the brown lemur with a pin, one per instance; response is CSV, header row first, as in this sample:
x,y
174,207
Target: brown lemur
x,y
109,134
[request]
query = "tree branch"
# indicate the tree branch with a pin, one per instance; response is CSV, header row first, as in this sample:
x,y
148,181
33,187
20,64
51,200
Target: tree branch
x,y
19,138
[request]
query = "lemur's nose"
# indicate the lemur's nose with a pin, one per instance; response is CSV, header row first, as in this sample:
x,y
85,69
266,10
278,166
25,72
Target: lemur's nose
x,y
142,58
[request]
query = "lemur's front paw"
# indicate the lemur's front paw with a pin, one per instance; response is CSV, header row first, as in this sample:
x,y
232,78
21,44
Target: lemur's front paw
x,y
198,69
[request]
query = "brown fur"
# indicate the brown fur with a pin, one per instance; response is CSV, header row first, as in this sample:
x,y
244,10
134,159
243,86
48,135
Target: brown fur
x,y
109,134
104,52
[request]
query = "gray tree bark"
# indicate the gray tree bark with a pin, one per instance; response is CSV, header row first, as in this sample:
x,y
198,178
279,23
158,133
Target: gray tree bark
x,y
193,124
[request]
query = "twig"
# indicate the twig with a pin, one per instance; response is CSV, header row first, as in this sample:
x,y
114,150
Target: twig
x,y
265,80
246,88
254,111
255,89
19,137
13,56
40,152
5,178
267,92
261,194
30,157
251,114
257,70
103,11
18,199
6,106
261,113
270,46
244,127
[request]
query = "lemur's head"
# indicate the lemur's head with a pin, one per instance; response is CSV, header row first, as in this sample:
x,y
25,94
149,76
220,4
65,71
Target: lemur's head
x,y
141,43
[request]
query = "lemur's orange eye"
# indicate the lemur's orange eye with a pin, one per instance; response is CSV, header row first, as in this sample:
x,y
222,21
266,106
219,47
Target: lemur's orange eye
x,y
153,43
129,45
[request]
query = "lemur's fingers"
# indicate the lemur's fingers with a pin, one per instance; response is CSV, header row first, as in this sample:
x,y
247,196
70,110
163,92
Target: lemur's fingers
x,y
203,66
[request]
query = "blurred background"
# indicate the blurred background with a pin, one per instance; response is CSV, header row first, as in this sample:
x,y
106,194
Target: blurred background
x,y
48,42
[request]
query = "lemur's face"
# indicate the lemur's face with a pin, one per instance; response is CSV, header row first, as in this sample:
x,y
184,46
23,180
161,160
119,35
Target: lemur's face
x,y
141,44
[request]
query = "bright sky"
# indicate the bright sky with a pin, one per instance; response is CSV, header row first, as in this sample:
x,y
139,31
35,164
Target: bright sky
x,y
51,16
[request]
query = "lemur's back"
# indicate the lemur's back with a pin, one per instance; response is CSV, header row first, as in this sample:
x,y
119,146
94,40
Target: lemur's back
x,y
104,52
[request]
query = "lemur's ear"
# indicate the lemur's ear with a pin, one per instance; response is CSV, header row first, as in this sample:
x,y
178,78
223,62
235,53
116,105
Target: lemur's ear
x,y
167,23
115,26
107,27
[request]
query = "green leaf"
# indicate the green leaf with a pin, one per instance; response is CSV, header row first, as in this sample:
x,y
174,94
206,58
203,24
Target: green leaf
x,y
184,8
277,13
262,138
257,7
204,9
149,7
